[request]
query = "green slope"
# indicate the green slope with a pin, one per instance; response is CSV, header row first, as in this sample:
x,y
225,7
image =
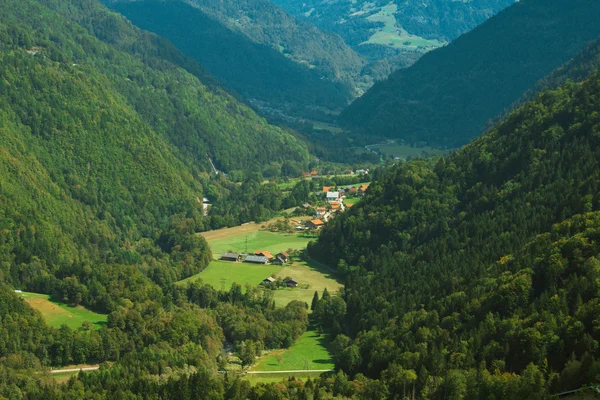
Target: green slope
x,y
259,73
447,97
103,153
448,277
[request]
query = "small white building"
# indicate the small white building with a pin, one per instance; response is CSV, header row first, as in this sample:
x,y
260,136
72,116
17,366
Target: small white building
x,y
333,196
205,206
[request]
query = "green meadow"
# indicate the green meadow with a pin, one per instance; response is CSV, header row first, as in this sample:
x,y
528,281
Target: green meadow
x,y
260,240
221,274
57,314
310,352
393,35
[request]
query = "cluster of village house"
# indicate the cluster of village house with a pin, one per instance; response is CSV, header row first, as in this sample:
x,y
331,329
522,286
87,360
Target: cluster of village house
x,y
262,257
335,204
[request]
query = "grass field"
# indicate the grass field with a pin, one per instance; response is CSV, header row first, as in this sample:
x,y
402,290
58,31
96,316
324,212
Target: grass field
x,y
351,200
221,274
56,314
309,352
260,240
393,35
403,151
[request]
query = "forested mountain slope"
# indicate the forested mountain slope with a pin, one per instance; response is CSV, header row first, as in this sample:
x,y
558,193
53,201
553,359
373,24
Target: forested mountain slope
x,y
447,97
459,279
580,67
261,74
265,23
103,154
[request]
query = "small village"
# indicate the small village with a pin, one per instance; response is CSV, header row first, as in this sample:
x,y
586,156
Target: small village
x,y
334,201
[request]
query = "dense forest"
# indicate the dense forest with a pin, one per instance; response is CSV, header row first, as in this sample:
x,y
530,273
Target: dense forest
x,y
260,73
448,96
104,154
265,23
476,276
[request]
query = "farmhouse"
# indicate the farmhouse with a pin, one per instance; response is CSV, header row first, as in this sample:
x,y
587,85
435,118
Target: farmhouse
x,y
235,257
268,280
291,283
263,253
257,260
315,224
327,189
362,190
282,258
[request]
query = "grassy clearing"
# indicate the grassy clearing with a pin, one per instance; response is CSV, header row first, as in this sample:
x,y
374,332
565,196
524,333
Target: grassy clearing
x,y
393,35
57,314
310,352
323,126
272,378
261,240
351,200
64,377
221,274
403,151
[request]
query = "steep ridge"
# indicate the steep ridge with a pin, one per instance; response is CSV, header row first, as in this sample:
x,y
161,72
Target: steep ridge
x,y
256,71
448,281
447,97
265,23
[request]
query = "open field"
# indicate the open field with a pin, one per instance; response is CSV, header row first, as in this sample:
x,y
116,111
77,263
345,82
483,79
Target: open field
x,y
259,240
393,35
308,353
221,274
57,314
323,126
316,276
404,151
241,230
351,200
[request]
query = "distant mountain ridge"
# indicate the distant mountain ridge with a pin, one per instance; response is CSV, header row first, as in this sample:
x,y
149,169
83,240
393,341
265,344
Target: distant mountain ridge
x,y
358,21
447,97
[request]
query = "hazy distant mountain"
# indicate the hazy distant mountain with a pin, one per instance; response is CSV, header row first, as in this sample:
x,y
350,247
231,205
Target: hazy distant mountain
x,y
379,28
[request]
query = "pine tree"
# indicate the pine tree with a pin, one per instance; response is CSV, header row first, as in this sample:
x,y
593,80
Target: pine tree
x,y
315,300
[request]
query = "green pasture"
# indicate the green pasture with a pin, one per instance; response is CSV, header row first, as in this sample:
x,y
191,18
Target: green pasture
x,y
404,151
310,352
221,274
57,314
267,241
393,35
